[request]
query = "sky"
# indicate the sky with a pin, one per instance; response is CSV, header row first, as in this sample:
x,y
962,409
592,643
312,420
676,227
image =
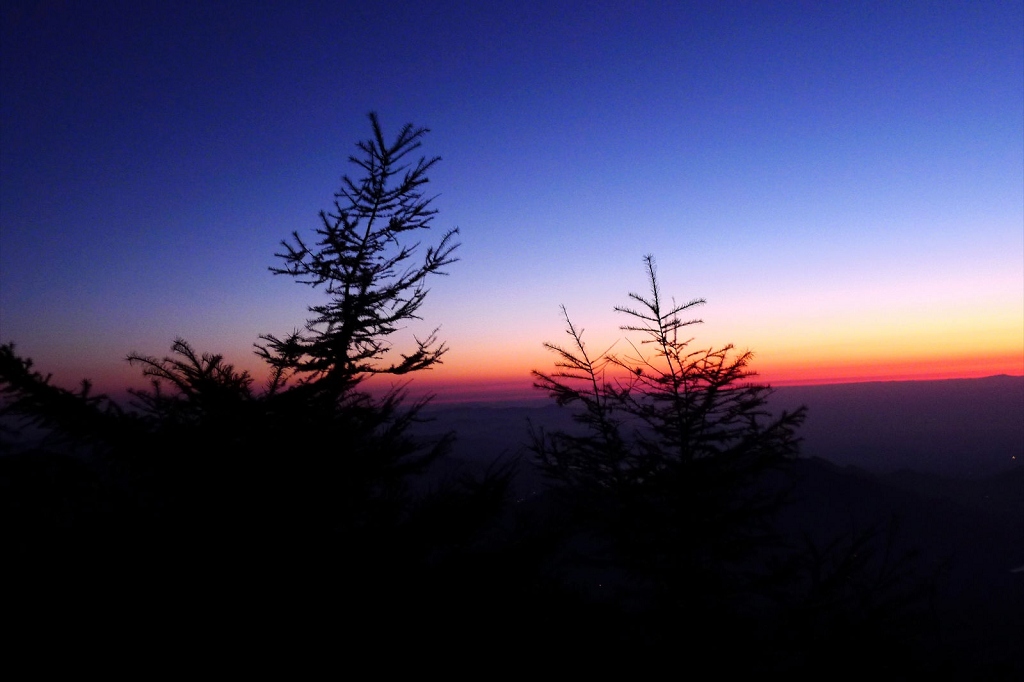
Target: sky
x,y
842,182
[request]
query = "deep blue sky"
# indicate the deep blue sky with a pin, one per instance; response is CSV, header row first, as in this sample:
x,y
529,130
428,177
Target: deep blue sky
x,y
844,182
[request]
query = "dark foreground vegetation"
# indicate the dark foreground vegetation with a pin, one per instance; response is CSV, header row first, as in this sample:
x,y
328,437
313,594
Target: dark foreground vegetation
x,y
676,525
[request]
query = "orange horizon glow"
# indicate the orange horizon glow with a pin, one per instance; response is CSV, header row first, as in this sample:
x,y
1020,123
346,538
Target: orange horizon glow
x,y
467,388
485,382
902,369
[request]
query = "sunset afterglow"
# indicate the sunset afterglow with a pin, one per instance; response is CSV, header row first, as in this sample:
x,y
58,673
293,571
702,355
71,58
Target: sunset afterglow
x,y
843,184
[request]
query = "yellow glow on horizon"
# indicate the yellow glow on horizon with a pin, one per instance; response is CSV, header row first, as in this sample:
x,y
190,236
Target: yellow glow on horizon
x,y
916,344
791,370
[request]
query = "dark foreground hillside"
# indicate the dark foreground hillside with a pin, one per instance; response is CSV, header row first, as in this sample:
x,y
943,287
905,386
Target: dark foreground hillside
x,y
892,574
963,538
923,481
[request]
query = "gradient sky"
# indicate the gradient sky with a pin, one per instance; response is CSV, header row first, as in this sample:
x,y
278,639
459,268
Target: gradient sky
x,y
843,182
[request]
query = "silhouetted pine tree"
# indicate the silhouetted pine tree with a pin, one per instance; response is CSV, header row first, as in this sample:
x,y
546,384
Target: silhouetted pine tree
x,y
302,488
367,260
664,474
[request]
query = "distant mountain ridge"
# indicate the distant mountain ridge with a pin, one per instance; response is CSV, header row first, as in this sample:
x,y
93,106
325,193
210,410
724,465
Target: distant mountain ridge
x,y
962,428
954,427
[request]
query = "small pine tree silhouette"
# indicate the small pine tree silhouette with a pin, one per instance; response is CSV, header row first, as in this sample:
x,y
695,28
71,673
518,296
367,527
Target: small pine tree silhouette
x,y
665,469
